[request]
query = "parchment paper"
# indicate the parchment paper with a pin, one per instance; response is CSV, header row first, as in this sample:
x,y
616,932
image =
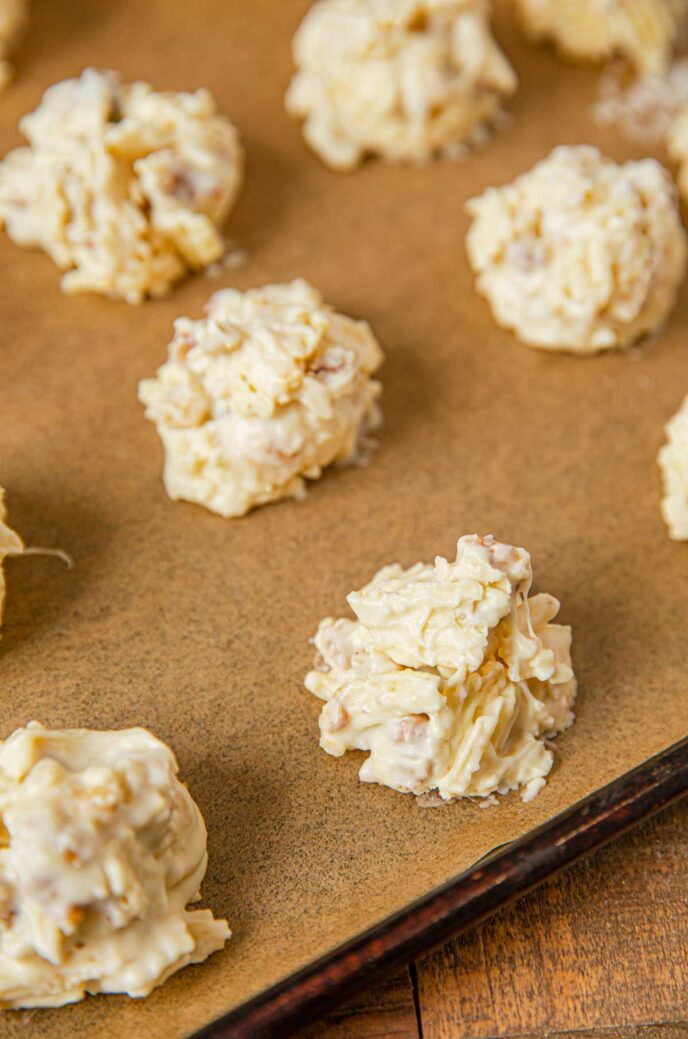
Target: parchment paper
x,y
198,627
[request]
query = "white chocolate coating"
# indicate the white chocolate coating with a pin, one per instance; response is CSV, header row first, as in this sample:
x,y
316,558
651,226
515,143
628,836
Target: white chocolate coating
x,y
580,253
102,848
262,394
124,187
642,31
673,462
402,79
10,545
450,677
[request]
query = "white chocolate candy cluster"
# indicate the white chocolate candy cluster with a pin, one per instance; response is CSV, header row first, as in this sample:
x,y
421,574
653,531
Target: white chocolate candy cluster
x,y
402,79
677,146
580,253
451,677
124,187
13,14
641,31
260,395
101,850
10,545
673,462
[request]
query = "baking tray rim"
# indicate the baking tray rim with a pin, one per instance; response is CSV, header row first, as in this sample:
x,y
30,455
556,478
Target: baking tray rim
x,y
501,876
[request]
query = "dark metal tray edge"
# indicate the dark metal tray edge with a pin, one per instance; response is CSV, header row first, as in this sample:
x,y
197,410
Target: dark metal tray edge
x,y
505,874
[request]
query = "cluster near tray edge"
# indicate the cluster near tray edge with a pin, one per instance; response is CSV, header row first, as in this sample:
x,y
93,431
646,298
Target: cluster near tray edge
x,y
451,676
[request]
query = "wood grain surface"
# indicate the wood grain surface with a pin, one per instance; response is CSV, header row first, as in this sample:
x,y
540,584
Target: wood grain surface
x,y
600,952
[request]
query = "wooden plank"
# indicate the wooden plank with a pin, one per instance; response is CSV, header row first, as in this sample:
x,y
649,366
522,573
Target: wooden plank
x,y
600,952
385,1011
679,1030
604,945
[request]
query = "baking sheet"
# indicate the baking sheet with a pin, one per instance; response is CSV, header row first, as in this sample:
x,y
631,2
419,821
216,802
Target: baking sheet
x,y
198,627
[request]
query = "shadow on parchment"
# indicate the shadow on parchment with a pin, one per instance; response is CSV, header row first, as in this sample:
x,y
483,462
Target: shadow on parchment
x,y
41,587
269,181
244,829
410,391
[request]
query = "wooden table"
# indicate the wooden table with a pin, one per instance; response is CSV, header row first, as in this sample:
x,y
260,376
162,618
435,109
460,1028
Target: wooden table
x,y
600,952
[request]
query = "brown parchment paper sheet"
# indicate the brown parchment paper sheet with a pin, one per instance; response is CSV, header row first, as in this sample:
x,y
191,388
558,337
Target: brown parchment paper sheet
x,y
198,627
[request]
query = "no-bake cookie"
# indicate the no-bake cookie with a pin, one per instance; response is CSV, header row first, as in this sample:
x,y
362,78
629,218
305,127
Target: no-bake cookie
x,y
402,79
451,677
102,849
260,395
643,32
126,188
580,253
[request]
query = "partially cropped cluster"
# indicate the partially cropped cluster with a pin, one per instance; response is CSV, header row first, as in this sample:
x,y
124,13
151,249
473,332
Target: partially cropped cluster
x,y
580,253
262,394
10,545
677,144
643,32
101,850
124,187
673,462
12,18
403,79
450,676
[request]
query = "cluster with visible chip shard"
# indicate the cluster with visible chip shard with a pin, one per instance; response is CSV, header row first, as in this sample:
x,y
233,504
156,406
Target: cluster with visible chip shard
x,y
451,677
